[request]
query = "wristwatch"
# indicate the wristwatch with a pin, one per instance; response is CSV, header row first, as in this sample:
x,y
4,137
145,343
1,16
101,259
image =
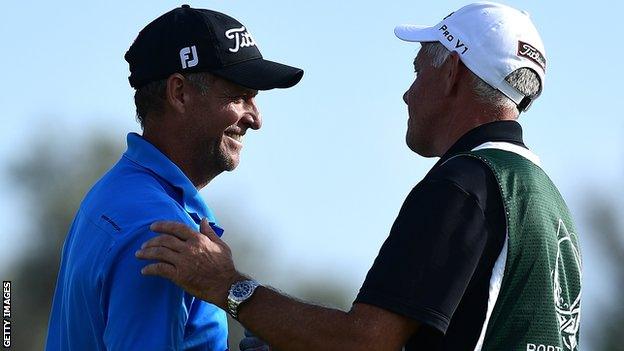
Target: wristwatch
x,y
240,292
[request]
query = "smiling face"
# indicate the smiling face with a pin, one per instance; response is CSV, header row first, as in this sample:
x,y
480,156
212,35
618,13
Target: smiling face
x,y
218,120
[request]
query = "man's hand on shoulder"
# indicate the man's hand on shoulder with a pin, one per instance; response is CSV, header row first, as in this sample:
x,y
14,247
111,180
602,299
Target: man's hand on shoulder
x,y
202,264
199,262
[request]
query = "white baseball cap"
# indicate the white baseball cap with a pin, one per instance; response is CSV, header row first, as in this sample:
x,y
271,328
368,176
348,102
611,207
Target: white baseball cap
x,y
492,40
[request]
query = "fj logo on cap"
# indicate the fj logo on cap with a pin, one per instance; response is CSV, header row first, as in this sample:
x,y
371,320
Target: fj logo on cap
x,y
528,51
458,44
188,57
241,38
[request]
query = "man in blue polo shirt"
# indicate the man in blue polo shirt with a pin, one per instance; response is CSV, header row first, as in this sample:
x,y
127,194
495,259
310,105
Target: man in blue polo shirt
x,y
196,73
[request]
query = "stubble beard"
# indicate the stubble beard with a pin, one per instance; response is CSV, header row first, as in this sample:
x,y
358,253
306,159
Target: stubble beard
x,y
218,159
209,160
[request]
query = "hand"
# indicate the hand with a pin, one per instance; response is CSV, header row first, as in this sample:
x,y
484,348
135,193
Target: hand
x,y
200,262
252,343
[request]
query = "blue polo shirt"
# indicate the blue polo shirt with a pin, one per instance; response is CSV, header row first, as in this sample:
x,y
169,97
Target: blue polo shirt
x,y
101,301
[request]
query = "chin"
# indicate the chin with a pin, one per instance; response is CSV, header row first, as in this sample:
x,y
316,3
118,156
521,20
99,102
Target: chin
x,y
230,168
421,150
230,163
225,159
411,143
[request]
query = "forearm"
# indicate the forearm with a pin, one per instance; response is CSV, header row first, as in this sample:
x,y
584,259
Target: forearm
x,y
288,324
202,264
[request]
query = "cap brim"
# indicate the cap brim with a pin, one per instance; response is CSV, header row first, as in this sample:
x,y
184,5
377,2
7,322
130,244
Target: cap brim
x,y
261,74
411,32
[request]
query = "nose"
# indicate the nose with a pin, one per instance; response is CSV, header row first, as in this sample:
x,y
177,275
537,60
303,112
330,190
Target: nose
x,y
407,92
252,118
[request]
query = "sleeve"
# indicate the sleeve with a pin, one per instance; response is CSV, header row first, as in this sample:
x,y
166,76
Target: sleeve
x,y
143,312
427,261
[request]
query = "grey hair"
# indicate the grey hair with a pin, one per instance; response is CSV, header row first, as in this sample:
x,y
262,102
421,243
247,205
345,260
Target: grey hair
x,y
150,97
525,80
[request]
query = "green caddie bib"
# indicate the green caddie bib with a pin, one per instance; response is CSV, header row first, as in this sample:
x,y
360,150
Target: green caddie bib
x,y
535,288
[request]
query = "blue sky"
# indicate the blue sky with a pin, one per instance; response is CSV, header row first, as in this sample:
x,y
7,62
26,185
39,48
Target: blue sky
x,y
329,170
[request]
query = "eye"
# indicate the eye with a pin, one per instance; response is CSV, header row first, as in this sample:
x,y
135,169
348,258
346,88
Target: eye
x,y
245,97
241,96
236,98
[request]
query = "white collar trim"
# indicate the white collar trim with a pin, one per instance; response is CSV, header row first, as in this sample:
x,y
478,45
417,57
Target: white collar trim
x,y
526,153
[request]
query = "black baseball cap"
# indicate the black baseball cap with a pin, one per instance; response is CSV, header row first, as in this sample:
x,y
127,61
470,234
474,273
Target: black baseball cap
x,y
186,40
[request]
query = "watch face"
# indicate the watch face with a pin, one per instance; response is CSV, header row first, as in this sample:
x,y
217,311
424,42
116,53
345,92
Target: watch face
x,y
242,290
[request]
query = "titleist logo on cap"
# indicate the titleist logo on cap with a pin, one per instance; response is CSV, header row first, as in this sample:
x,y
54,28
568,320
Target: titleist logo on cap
x,y
241,38
528,51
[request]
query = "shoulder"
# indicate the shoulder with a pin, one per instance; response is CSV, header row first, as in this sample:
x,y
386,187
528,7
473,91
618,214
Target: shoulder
x,y
464,174
128,198
468,172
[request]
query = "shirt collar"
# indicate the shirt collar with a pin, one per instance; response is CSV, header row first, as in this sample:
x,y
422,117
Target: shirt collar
x,y
146,155
507,131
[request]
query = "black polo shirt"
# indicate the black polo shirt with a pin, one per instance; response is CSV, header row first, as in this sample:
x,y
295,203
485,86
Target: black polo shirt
x,y
436,264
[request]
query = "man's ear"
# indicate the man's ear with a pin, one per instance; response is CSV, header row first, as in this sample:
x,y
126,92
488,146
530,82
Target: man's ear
x,y
176,94
450,71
